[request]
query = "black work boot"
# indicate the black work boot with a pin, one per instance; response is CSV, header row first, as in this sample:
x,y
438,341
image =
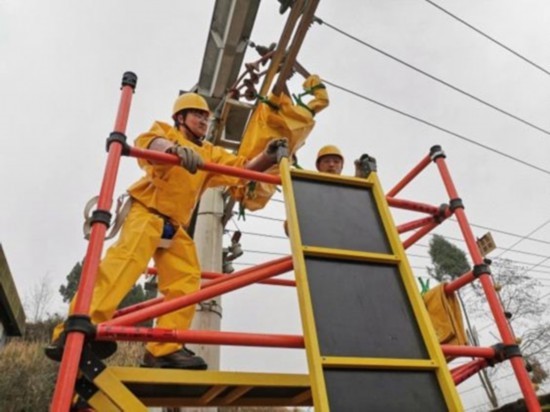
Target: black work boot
x,y
54,350
102,349
182,359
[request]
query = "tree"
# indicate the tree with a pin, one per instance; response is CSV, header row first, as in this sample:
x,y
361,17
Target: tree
x,y
519,294
37,300
447,259
69,290
136,295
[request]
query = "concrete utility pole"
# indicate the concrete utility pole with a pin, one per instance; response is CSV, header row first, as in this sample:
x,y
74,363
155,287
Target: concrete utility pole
x,y
228,36
208,239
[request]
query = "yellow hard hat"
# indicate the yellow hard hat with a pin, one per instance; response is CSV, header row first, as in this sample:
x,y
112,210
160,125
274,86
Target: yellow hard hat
x,y
190,101
328,150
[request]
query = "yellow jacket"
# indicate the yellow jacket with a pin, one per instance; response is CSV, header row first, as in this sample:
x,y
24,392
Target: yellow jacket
x,y
172,190
445,315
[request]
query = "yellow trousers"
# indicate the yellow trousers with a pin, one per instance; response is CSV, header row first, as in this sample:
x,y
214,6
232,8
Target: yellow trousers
x,y
125,261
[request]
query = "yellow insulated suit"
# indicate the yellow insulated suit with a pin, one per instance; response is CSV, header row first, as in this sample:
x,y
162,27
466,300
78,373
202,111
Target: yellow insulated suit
x,y
446,316
172,192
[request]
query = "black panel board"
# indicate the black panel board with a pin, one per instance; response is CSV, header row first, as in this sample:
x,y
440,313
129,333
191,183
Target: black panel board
x,y
194,391
361,309
354,390
337,216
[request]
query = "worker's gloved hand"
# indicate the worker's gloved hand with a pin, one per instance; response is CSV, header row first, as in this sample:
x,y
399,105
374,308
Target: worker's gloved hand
x,y
364,166
189,159
273,147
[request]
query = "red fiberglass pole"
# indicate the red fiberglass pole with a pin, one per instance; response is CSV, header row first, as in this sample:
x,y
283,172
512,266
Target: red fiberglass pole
x,y
482,270
211,167
236,282
211,275
68,369
409,177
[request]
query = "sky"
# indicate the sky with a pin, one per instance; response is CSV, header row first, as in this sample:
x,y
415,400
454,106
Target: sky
x,y
60,70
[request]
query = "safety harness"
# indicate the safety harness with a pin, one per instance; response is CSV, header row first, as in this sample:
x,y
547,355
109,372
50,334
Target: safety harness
x,y
124,203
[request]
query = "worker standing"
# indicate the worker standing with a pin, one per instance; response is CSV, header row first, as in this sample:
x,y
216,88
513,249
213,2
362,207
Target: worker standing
x,y
163,202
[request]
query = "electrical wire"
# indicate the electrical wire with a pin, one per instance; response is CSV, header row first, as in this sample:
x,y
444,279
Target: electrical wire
x,y
527,236
437,79
266,217
243,264
518,262
442,129
260,234
525,59
510,260
521,252
263,252
546,258
546,242
426,246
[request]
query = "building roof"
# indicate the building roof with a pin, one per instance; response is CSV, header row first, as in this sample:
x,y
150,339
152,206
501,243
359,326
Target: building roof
x,y
12,314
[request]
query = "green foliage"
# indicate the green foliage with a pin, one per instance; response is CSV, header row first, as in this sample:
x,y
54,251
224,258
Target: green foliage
x,y
447,259
136,295
69,290
28,377
41,331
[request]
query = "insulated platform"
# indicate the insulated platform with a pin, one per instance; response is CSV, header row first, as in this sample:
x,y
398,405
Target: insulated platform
x,y
369,342
171,388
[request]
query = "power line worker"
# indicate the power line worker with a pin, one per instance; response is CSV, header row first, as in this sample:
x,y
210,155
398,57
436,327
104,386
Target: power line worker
x,y
329,160
162,205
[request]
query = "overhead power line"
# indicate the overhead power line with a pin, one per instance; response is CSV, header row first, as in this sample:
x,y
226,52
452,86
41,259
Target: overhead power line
x,y
492,229
275,219
509,249
507,233
518,262
525,59
260,234
527,236
442,129
437,79
521,252
534,266
264,252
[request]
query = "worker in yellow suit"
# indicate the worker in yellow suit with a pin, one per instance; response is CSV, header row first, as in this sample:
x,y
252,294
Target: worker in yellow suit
x,y
329,160
162,205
